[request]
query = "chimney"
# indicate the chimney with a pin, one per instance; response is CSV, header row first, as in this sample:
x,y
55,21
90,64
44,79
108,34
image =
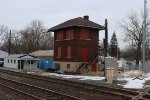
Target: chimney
x,y
86,17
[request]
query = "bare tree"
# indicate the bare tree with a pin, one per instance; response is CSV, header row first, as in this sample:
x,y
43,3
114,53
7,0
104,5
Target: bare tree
x,y
47,41
14,44
133,30
35,37
3,31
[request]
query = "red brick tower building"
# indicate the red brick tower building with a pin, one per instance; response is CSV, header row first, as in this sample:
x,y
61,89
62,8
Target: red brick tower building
x,y
75,42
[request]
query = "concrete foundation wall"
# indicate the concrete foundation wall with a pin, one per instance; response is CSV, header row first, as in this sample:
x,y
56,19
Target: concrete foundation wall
x,y
63,66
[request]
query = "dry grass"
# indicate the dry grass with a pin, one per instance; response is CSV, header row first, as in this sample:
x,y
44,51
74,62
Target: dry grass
x,y
97,73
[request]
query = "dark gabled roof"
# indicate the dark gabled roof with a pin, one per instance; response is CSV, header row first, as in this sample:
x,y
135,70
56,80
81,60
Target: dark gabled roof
x,y
81,22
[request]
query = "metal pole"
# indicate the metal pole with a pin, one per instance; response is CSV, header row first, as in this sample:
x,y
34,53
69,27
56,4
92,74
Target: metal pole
x,y
144,34
106,37
105,45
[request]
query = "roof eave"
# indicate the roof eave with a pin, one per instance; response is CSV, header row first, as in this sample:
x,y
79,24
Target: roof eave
x,y
54,29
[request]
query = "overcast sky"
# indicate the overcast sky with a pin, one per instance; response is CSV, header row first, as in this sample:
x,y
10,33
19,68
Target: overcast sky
x,y
16,14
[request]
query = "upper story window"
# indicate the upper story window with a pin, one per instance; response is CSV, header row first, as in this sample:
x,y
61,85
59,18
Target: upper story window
x,y
59,35
70,34
59,52
69,52
84,34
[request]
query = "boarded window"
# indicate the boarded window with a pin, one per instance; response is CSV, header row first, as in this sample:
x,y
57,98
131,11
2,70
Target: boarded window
x,y
84,34
59,35
70,34
59,52
68,66
69,51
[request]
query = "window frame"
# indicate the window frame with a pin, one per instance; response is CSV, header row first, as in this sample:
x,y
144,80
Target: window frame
x,y
59,52
69,52
85,34
69,34
59,36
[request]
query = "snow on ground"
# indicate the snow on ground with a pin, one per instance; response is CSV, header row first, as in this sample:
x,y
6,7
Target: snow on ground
x,y
134,83
30,72
128,77
74,76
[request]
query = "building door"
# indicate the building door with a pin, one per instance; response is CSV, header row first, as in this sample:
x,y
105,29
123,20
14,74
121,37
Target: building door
x,y
20,64
84,54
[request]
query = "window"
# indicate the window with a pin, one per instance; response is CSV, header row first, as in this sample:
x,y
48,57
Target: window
x,y
70,34
68,66
69,52
14,61
59,52
11,61
8,61
84,34
59,35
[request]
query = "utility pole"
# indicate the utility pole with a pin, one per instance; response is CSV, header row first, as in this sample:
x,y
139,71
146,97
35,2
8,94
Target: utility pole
x,y
106,38
105,45
144,35
9,45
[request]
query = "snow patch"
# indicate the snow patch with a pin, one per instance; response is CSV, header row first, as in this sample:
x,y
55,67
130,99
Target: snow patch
x,y
131,82
30,72
74,76
135,83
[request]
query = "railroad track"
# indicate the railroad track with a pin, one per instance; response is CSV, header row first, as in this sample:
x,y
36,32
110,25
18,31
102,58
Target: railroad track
x,y
144,95
37,93
16,94
81,89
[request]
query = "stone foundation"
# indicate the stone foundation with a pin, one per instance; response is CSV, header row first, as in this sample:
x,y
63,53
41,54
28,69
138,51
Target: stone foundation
x,y
64,66
68,66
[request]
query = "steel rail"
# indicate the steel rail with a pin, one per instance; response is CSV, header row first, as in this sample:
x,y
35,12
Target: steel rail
x,y
43,89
